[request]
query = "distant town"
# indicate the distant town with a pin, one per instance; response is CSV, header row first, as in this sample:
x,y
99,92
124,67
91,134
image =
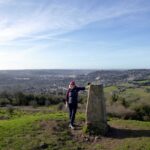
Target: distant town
x,y
56,81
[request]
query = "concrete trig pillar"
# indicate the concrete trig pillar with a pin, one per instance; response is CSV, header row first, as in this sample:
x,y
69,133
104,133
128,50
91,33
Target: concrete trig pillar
x,y
96,120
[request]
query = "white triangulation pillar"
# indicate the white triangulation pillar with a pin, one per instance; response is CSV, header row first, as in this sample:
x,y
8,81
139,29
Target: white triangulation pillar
x,y
96,119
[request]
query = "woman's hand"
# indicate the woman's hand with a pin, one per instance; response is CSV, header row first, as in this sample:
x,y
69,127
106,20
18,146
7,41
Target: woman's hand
x,y
88,85
66,105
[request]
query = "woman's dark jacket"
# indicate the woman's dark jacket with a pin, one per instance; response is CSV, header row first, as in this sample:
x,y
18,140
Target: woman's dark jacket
x,y
72,95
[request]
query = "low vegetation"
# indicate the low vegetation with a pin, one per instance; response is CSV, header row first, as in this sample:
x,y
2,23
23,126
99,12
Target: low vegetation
x,y
46,128
40,121
128,102
22,99
125,101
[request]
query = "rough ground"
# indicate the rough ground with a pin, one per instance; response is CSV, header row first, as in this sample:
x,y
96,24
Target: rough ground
x,y
31,130
119,136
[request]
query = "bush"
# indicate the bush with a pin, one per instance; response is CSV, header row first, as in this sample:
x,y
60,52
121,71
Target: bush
x,y
4,101
22,99
82,99
142,111
119,111
47,103
33,103
60,106
123,101
114,98
147,90
10,110
40,100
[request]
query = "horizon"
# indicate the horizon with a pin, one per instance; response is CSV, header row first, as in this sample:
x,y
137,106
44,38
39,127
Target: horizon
x,y
77,69
63,34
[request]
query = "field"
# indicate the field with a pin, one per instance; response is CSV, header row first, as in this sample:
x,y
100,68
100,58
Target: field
x,y
28,128
128,101
39,127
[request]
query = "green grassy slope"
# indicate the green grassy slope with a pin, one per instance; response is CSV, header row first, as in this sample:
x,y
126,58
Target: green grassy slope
x,y
50,131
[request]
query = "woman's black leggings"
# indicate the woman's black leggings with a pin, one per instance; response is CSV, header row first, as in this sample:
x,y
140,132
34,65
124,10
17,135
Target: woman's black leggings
x,y
72,112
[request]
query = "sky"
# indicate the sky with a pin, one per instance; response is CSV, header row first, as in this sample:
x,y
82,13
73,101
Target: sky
x,y
74,34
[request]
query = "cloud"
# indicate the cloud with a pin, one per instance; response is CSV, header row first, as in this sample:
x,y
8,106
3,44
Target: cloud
x,y
5,1
45,19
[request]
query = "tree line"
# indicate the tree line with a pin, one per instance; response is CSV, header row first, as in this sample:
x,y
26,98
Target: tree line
x,y
23,99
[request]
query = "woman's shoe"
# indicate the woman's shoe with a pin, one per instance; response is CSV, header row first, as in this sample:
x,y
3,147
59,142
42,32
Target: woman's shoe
x,y
71,126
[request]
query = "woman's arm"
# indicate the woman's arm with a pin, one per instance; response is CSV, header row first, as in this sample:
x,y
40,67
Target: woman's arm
x,y
67,96
81,88
84,88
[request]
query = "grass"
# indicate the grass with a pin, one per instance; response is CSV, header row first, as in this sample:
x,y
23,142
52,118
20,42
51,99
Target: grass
x,y
22,132
139,144
143,81
47,128
133,134
110,89
132,124
50,131
129,92
129,103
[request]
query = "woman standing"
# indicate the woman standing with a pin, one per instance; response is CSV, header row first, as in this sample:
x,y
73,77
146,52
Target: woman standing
x,y
72,101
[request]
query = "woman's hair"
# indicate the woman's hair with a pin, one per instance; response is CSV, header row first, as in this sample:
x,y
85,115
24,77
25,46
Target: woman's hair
x,y
72,84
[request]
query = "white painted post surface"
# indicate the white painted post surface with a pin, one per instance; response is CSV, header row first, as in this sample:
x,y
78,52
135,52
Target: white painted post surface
x,y
96,109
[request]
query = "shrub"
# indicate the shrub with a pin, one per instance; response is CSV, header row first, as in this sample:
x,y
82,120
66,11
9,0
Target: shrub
x,y
4,101
40,100
123,101
142,111
33,103
47,103
10,110
147,90
119,111
60,106
20,99
114,97
82,99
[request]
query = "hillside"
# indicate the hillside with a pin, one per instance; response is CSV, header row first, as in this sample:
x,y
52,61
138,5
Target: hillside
x,y
111,77
49,81
33,116
46,128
